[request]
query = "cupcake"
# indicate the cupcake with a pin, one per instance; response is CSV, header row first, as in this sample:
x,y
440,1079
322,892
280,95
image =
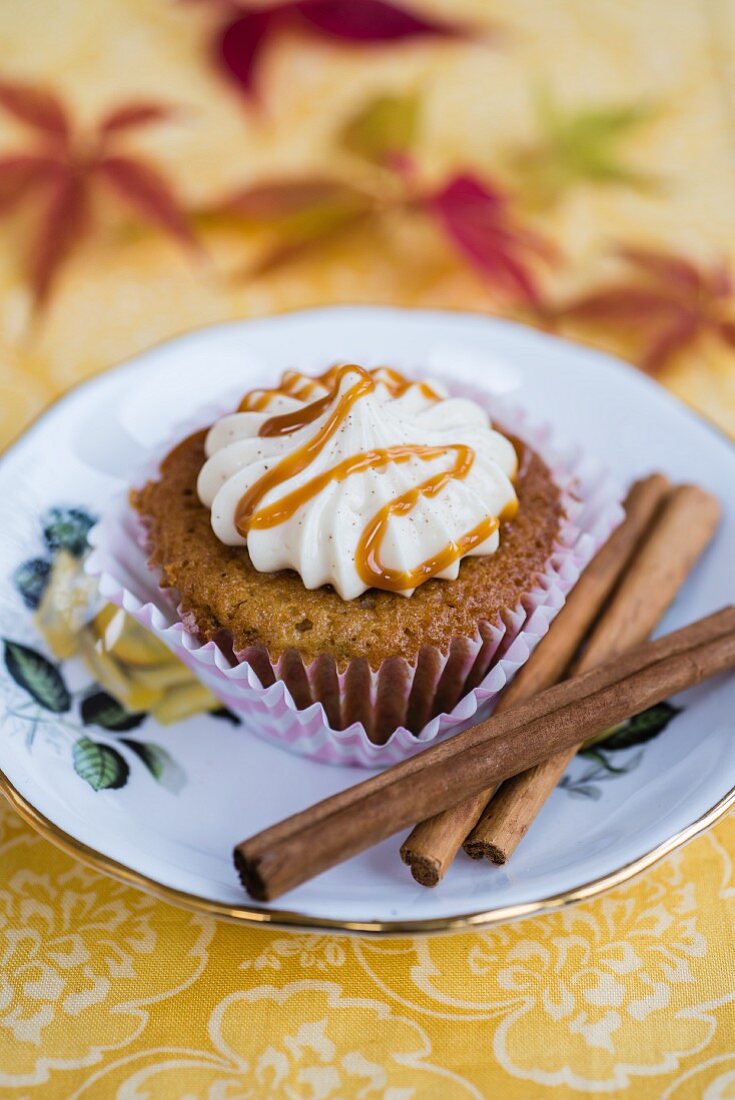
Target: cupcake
x,y
361,547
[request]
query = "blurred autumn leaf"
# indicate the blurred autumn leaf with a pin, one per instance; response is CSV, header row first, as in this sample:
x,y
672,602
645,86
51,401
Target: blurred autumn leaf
x,y
580,146
296,214
383,129
239,40
62,168
480,221
667,305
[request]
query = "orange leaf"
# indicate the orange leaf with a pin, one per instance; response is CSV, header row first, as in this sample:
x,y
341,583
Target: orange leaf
x,y
36,107
668,342
280,198
19,175
668,306
61,225
671,271
148,191
719,282
131,115
634,305
726,330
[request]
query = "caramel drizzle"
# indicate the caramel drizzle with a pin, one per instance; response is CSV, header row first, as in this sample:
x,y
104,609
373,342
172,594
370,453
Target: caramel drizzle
x,y
372,571
295,385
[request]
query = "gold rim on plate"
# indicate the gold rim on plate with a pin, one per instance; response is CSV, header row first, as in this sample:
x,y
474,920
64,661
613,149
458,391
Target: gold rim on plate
x,y
291,920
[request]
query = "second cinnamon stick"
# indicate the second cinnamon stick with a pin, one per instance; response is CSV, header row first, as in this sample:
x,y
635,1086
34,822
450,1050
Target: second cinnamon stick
x,y
685,527
430,848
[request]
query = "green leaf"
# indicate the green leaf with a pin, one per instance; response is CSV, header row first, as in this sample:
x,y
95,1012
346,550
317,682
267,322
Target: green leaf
x,y
384,127
38,676
585,790
67,529
641,728
31,578
308,232
99,765
601,759
581,146
159,763
101,709
153,756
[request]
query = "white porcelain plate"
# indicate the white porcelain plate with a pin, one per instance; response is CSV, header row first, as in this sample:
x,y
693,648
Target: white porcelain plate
x,y
167,817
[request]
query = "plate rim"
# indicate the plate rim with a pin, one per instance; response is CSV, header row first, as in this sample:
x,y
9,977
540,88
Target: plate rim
x,y
292,920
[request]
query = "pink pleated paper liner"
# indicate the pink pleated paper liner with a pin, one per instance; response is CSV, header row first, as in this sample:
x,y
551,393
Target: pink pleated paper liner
x,y
460,685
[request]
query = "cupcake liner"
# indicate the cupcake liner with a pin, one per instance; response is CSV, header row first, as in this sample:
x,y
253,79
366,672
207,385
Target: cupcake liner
x,y
361,716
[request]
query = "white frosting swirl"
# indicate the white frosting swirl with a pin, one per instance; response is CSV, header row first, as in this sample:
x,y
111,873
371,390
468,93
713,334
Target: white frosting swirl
x,y
321,538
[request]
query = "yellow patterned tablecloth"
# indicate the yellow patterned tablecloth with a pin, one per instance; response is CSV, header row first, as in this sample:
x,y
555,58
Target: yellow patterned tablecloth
x,y
571,163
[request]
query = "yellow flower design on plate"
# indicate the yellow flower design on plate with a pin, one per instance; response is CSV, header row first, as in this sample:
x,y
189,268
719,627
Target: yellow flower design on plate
x,y
305,1040
128,661
76,952
140,671
584,981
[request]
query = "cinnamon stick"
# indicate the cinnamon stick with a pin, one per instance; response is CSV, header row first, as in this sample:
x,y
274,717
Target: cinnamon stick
x,y
430,848
684,527
304,845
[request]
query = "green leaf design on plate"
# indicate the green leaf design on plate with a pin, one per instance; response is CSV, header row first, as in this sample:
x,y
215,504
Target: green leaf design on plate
x,y
38,676
102,709
159,763
99,765
225,715
383,128
31,578
67,529
153,756
600,758
584,790
638,730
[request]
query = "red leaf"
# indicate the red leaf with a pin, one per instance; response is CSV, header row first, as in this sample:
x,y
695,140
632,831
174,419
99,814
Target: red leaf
x,y
62,223
19,175
368,20
132,114
359,21
37,108
670,305
239,44
267,201
477,220
145,189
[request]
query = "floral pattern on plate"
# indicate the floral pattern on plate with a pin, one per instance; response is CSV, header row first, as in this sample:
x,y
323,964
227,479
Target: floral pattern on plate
x,y
137,677
134,676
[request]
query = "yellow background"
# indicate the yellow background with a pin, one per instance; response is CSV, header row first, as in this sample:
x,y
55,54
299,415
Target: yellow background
x,y
106,992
